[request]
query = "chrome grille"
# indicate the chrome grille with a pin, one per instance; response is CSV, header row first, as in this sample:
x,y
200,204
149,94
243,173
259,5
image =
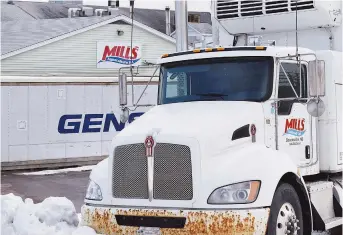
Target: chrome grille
x,y
130,172
227,9
172,172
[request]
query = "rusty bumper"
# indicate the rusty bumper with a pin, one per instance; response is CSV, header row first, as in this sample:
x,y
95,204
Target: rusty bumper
x,y
112,220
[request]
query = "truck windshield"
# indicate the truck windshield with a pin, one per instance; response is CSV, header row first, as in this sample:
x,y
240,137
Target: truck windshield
x,y
231,79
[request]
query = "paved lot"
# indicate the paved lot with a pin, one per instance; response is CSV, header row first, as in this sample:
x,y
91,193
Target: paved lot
x,y
71,185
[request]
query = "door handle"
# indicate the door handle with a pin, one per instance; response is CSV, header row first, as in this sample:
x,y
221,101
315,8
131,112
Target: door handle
x,y
307,152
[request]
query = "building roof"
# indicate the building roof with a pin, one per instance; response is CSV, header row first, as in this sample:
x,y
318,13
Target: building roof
x,y
12,12
28,24
18,10
153,18
21,36
202,28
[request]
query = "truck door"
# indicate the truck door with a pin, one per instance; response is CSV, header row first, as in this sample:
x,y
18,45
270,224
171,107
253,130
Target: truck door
x,y
294,124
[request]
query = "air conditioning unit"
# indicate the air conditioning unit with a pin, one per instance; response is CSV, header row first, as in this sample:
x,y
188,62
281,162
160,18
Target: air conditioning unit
x,y
87,11
242,16
101,12
74,12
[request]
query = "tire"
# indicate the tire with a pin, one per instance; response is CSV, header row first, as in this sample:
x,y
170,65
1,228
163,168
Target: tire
x,y
285,197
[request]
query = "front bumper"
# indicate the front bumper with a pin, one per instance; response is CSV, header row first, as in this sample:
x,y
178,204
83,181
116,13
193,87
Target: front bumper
x,y
114,220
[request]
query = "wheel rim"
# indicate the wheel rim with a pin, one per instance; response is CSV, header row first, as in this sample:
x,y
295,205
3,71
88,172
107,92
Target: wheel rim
x,y
287,222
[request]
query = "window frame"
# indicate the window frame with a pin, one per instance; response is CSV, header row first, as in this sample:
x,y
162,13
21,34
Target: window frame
x,y
291,100
301,95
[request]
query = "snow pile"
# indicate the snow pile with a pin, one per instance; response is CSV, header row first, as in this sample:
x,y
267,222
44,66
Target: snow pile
x,y
53,216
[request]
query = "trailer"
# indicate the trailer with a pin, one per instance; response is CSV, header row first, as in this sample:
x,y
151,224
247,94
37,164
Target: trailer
x,y
244,139
53,121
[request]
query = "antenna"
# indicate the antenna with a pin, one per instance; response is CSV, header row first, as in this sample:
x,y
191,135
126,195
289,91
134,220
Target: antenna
x,y
131,16
297,46
132,2
296,29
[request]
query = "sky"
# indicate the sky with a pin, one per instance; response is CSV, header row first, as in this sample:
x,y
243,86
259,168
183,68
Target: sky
x,y
192,5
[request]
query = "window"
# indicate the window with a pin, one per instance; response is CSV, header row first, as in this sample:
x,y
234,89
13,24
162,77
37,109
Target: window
x,y
293,73
193,18
231,79
292,88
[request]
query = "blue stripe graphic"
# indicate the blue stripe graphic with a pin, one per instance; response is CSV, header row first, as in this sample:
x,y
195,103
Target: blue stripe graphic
x,y
119,60
294,132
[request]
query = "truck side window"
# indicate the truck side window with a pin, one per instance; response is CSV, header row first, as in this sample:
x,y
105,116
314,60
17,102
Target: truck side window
x,y
285,88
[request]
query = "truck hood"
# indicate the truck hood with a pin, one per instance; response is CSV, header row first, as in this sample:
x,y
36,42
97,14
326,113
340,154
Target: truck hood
x,y
211,123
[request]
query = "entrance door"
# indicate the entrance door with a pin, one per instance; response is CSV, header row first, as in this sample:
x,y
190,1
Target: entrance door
x,y
294,123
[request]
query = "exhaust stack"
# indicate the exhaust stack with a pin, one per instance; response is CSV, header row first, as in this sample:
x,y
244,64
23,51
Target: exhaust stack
x,y
181,25
168,30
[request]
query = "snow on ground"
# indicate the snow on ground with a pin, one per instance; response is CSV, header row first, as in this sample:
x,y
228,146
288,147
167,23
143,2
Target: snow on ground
x,y
51,172
53,216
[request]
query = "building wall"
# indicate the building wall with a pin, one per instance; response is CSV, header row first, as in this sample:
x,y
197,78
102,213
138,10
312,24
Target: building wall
x,y
76,55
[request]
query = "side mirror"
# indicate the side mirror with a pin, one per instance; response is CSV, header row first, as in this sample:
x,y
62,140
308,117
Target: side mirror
x,y
316,75
122,89
315,107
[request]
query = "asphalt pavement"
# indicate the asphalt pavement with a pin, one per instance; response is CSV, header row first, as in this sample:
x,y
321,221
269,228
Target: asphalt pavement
x,y
72,185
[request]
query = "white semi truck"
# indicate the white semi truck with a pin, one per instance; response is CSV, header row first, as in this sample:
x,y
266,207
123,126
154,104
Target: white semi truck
x,y
244,139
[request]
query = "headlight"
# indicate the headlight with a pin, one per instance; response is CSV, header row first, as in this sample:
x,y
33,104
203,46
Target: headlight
x,y
245,192
93,191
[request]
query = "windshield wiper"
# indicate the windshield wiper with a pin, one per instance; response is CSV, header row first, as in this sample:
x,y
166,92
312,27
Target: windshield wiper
x,y
213,95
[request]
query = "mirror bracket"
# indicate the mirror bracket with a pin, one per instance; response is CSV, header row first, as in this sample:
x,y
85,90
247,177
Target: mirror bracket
x,y
124,116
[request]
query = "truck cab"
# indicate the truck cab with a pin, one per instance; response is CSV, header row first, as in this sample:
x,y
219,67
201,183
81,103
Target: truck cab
x,y
228,147
246,136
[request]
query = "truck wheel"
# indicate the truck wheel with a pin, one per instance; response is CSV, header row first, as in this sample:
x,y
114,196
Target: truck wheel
x,y
285,212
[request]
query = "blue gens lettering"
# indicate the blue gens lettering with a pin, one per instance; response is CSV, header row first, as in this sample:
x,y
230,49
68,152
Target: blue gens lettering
x,y
92,123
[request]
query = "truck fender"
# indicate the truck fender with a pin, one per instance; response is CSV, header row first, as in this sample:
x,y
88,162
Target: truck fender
x,y
249,162
300,187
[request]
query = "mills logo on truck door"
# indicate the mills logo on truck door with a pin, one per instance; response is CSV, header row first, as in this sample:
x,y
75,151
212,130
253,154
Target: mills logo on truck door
x,y
117,55
294,131
295,126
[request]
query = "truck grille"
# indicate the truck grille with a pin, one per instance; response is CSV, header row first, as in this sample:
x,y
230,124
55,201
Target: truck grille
x,y
227,9
130,171
172,172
